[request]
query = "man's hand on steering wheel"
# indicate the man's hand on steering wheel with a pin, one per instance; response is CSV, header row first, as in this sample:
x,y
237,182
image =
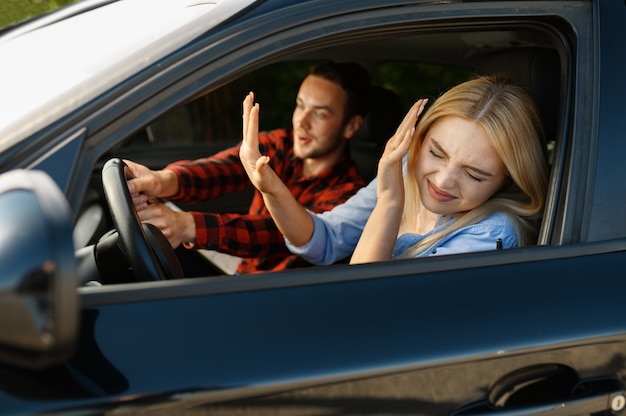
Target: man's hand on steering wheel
x,y
177,226
148,252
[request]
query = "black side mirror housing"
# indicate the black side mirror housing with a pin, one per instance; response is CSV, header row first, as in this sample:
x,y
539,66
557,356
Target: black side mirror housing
x,y
38,282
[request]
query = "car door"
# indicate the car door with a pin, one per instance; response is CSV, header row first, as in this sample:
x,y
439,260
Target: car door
x,y
402,337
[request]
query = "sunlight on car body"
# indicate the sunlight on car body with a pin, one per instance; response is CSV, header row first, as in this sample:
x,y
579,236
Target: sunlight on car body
x,y
60,76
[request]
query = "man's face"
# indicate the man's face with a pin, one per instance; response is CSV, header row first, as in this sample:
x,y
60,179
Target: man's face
x,y
318,118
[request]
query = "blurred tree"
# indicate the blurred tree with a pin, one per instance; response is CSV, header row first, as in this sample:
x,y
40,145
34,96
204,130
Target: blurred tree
x,y
275,88
16,11
411,81
216,117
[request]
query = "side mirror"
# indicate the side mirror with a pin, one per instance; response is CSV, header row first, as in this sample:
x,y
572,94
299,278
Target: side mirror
x,y
38,297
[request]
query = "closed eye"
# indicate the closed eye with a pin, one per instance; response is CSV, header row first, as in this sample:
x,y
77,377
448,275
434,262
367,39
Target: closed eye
x,y
479,175
472,176
438,156
476,178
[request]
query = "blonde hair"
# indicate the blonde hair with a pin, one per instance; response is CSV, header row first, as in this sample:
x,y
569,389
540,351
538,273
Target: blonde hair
x,y
510,120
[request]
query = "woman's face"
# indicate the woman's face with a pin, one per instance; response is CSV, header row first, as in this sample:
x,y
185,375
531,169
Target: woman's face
x,y
457,168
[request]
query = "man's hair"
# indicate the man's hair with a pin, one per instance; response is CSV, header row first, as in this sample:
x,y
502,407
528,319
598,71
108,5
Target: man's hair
x,y
354,79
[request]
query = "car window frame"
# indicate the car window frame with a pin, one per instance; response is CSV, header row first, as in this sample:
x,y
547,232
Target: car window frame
x,y
242,58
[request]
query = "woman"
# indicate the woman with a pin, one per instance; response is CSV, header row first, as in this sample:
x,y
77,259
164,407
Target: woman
x,y
475,180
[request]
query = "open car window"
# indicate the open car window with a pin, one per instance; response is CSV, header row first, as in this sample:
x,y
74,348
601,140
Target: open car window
x,y
411,63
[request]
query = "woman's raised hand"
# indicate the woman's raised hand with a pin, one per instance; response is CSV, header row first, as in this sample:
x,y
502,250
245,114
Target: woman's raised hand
x,y
390,165
256,165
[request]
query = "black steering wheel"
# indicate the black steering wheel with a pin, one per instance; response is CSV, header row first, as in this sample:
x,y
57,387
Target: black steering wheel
x,y
145,247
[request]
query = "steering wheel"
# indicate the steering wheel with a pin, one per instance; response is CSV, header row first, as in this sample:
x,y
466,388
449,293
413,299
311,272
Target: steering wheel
x,y
145,247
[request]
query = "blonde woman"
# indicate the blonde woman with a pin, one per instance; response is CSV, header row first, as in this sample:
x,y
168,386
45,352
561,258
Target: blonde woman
x,y
475,179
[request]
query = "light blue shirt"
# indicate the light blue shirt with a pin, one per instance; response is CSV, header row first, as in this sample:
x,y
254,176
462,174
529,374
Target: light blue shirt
x,y
336,232
482,236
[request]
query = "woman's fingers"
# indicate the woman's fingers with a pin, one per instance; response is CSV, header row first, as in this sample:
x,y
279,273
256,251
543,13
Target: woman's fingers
x,y
422,103
249,152
403,147
416,109
407,127
250,137
262,162
247,105
411,116
410,119
252,133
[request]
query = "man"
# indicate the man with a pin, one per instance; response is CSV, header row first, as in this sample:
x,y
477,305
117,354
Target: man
x,y
312,159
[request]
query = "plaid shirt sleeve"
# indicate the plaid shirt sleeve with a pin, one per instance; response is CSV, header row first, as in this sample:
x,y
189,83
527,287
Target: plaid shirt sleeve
x,y
208,178
242,235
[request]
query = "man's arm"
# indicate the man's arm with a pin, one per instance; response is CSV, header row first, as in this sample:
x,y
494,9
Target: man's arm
x,y
242,235
293,221
207,178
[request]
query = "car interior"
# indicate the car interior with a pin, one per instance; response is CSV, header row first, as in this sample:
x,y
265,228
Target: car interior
x,y
404,65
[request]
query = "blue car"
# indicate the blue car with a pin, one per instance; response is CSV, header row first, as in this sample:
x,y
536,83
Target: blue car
x,y
538,330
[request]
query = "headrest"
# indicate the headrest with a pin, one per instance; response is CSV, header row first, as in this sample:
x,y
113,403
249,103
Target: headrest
x,y
537,69
383,118
379,125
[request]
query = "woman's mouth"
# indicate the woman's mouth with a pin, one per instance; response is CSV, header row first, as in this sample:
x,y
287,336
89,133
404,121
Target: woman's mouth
x,y
439,195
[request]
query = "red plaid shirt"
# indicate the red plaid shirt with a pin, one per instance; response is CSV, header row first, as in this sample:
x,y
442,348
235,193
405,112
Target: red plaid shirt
x,y
254,236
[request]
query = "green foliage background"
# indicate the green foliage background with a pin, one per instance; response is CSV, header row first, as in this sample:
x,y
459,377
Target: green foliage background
x,y
15,11
276,86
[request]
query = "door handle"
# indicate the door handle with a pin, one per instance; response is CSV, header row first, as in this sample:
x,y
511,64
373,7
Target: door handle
x,y
604,396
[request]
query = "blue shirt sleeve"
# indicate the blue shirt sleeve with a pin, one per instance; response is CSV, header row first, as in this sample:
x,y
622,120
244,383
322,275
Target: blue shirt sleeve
x,y
336,232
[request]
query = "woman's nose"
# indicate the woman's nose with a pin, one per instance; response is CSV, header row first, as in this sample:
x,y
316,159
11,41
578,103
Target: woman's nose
x,y
447,178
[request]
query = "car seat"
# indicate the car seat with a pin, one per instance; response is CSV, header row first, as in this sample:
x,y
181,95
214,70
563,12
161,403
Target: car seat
x,y
379,125
539,71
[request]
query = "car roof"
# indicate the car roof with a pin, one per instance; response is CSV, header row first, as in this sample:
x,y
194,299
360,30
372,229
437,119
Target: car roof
x,y
54,64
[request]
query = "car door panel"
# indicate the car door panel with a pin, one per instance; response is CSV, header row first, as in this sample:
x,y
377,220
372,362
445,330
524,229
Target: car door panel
x,y
420,330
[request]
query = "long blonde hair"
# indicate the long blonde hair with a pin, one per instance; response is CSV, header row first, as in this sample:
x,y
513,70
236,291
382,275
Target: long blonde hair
x,y
510,120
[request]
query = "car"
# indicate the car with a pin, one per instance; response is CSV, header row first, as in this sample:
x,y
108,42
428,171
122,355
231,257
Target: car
x,y
530,331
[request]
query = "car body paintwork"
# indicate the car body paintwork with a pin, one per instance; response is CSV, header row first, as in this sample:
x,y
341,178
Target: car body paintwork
x,y
416,337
